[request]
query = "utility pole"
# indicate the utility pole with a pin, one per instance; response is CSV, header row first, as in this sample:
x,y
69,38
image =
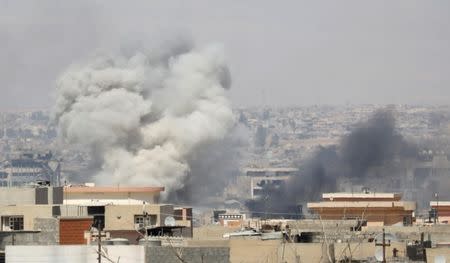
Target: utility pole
x,y
384,245
99,241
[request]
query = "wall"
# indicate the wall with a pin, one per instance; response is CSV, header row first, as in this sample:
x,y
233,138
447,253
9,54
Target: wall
x,y
305,252
12,196
116,198
71,230
188,254
49,231
434,253
71,211
30,196
73,254
55,195
389,216
253,251
41,196
124,254
132,235
211,232
166,210
121,217
360,251
46,234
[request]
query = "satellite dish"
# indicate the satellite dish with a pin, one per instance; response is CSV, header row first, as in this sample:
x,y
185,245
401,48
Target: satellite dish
x,y
440,259
379,254
169,221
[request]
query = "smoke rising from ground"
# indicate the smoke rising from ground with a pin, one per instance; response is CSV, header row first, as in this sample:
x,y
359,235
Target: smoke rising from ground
x,y
212,168
372,145
145,114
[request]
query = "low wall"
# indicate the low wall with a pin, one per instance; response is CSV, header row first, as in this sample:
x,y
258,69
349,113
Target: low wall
x,y
187,254
73,254
46,233
435,254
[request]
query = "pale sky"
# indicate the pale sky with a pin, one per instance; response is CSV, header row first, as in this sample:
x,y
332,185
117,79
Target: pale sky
x,y
279,52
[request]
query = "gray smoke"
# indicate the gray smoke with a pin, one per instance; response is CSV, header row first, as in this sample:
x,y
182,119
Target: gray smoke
x,y
143,114
212,167
374,144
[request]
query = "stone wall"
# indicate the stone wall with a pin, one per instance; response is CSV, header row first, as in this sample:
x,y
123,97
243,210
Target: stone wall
x,y
46,232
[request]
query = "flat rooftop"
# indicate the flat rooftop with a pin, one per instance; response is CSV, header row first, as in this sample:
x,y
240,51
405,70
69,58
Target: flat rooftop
x,y
112,189
407,205
440,203
271,169
362,195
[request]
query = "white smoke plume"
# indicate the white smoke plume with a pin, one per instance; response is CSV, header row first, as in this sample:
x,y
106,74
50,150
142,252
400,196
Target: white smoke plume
x,y
144,115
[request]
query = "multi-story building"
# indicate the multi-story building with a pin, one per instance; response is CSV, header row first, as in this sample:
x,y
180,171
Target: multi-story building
x,y
375,208
122,212
261,177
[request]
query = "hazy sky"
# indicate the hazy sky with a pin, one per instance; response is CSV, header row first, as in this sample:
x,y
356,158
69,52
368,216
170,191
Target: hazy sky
x,y
279,52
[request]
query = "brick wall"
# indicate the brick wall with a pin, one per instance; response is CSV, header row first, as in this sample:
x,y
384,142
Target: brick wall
x,y
71,230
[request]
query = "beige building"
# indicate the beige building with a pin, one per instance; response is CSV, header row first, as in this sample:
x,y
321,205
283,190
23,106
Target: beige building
x,y
31,195
375,208
122,211
125,211
92,195
20,206
21,217
442,209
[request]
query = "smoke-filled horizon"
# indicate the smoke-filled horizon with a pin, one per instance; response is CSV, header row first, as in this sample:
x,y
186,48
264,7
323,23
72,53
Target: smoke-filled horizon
x,y
294,53
371,151
145,114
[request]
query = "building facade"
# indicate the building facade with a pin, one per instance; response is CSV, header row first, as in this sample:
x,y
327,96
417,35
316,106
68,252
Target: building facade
x,y
261,177
375,208
121,212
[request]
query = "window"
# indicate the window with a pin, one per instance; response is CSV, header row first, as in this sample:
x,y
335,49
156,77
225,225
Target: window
x,y
10,223
16,222
139,219
145,220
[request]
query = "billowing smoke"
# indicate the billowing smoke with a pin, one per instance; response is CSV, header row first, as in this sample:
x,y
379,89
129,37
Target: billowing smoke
x,y
371,151
212,167
146,114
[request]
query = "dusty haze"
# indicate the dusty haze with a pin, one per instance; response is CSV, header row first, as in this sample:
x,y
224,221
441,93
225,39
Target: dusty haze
x,y
294,53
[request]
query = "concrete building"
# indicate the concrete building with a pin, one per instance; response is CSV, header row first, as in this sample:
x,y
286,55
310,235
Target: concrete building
x,y
259,177
94,196
442,209
230,219
31,195
19,207
124,211
375,208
